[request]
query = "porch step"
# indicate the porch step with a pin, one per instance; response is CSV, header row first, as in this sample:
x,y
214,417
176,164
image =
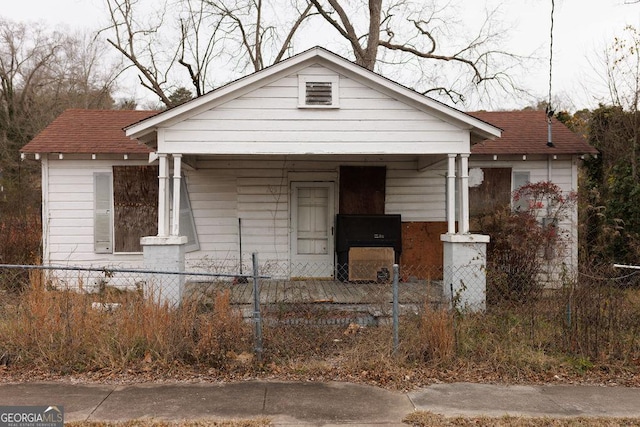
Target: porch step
x,y
329,314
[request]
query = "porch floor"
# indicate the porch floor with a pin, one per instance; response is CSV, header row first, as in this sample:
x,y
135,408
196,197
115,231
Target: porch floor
x,y
319,292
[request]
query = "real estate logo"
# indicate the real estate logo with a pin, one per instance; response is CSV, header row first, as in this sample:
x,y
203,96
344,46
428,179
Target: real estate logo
x,y
31,416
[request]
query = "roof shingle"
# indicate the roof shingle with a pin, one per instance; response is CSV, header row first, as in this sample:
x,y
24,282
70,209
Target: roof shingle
x,y
525,132
101,131
89,131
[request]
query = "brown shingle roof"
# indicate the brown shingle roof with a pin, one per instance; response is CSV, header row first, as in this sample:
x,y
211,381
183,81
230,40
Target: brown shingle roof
x,y
525,132
100,131
89,131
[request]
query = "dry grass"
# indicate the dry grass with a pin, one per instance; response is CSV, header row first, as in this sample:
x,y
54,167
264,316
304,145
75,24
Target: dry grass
x,y
59,333
258,422
434,335
424,419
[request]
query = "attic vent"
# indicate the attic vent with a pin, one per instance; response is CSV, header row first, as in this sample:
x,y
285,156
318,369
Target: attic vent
x,y
318,91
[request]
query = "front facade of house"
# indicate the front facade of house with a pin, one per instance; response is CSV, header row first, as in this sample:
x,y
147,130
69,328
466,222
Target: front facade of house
x,y
269,164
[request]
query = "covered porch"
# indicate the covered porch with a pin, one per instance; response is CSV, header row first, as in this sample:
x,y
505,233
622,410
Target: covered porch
x,y
292,159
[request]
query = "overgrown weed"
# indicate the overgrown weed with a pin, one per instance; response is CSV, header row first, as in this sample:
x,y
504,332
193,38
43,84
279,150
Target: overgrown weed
x,y
66,332
70,332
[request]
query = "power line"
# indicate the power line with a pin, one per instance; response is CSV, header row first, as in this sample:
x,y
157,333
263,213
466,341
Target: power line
x,y
551,51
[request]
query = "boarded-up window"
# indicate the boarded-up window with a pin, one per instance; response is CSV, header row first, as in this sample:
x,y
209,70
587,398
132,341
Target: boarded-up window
x,y
135,203
362,190
489,190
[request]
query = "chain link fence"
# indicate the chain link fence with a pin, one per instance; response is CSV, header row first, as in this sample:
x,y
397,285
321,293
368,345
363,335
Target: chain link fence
x,y
281,312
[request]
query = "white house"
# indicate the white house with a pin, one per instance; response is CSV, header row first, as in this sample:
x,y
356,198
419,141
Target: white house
x,y
273,162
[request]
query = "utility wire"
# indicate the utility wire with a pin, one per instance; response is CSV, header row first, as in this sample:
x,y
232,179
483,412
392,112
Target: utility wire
x,y
549,109
551,51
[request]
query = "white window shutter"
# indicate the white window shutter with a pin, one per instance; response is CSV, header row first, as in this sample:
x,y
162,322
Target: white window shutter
x,y
103,211
518,180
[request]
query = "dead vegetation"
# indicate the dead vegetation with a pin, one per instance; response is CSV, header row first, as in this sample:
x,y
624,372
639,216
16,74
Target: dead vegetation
x,y
260,422
116,336
424,419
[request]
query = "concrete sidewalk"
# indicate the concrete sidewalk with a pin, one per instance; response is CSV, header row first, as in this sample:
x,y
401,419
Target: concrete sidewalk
x,y
318,404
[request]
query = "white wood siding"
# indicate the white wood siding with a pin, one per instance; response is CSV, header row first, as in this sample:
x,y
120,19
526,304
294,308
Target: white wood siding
x,y
268,121
263,191
68,214
257,191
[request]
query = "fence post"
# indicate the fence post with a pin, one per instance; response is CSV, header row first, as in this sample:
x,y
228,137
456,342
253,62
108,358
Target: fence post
x,y
396,274
256,309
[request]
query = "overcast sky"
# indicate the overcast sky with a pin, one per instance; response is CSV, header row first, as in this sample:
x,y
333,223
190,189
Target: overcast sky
x,y
582,30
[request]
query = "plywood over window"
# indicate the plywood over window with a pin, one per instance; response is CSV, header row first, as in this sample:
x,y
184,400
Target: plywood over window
x,y
489,190
135,203
422,250
362,190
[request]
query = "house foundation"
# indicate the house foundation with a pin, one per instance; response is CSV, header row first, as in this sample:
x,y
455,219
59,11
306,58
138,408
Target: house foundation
x,y
464,273
164,255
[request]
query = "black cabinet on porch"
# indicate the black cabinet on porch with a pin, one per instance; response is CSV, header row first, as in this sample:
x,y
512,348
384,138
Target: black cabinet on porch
x,y
367,232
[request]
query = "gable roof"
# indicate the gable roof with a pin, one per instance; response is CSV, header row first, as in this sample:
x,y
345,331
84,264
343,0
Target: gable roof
x,y
101,131
89,132
525,132
330,60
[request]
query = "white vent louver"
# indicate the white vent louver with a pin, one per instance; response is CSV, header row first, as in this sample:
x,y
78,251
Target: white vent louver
x,y
318,93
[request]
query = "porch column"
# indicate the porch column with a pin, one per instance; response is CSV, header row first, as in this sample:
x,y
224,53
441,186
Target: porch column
x,y
175,223
164,254
451,195
163,195
463,189
464,267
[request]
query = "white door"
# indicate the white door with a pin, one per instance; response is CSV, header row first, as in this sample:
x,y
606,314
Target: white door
x,y
312,216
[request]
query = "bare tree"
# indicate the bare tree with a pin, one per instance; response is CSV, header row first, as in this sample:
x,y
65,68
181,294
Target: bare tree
x,y
622,68
198,47
401,31
239,35
137,40
210,33
41,74
261,31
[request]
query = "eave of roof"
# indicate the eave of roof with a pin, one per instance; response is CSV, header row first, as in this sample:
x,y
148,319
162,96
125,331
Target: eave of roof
x,y
525,132
101,131
89,131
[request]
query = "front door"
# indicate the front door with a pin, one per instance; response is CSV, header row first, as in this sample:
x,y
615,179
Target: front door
x,y
312,216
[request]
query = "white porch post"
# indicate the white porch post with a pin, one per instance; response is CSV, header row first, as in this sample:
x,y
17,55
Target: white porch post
x,y
451,195
463,188
177,177
464,267
165,252
163,195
